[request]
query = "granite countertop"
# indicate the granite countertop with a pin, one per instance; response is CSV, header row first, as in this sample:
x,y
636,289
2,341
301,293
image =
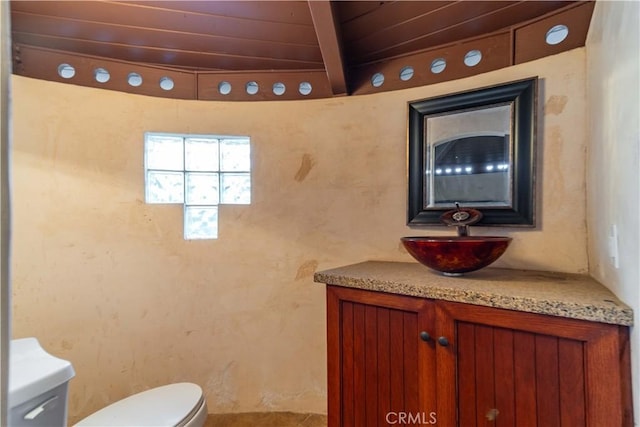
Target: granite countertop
x,y
558,294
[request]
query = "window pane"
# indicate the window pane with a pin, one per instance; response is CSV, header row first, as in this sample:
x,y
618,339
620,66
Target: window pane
x,y
164,187
235,155
164,152
236,188
202,188
201,154
200,222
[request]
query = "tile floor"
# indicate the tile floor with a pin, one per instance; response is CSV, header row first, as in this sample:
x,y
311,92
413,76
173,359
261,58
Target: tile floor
x,y
266,419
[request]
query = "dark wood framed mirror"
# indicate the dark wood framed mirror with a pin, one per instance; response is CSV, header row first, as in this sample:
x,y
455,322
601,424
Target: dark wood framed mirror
x,y
475,148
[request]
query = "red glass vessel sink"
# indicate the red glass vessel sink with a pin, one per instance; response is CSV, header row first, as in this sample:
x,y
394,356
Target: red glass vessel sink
x,y
455,255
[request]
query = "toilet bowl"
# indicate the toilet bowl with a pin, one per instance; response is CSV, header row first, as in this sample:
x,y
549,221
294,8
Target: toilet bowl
x,y
38,390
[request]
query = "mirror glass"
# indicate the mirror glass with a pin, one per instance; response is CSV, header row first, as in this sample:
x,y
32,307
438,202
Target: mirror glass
x,y
475,148
468,158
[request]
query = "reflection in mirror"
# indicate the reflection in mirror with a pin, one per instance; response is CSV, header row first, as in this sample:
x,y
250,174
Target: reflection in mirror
x,y
469,158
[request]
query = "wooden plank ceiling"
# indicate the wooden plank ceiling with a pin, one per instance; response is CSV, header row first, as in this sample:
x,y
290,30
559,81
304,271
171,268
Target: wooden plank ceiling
x,y
332,46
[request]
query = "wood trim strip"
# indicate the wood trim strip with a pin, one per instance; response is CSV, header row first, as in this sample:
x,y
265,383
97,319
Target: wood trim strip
x,y
530,322
484,374
371,346
525,379
334,357
571,369
503,355
396,361
398,302
384,363
466,373
605,356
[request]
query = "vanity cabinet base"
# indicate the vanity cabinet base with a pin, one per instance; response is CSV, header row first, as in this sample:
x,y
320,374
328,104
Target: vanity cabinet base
x,y
399,360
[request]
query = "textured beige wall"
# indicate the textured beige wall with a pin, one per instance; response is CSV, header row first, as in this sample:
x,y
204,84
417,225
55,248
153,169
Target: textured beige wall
x,y
613,87
108,283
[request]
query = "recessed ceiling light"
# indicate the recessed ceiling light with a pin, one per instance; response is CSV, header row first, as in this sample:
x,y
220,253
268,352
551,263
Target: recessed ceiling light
x,y
305,88
377,79
101,75
134,79
556,34
279,88
472,58
438,65
252,88
224,88
166,83
406,73
66,71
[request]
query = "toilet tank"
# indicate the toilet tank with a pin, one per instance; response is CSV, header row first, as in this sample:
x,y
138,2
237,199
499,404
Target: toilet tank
x,y
38,386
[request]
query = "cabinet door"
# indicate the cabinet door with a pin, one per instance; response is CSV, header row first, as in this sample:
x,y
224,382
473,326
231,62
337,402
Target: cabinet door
x,y
522,369
380,370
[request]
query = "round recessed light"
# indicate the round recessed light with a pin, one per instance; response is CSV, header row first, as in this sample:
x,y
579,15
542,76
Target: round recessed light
x,y
305,88
377,79
101,75
279,88
406,73
134,79
556,34
252,88
472,58
224,88
438,65
66,71
166,83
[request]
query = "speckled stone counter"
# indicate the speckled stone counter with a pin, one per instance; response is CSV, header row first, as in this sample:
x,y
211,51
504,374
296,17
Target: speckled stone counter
x,y
557,294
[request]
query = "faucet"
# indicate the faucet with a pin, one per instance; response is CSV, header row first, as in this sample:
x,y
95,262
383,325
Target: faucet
x,y
461,218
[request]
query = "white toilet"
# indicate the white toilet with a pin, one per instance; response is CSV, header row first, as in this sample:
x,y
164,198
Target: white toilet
x,y
38,387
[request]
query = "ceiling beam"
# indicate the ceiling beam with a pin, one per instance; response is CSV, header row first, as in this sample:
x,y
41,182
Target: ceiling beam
x,y
327,31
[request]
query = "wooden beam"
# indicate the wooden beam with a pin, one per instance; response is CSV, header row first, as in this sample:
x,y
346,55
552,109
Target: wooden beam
x,y
327,30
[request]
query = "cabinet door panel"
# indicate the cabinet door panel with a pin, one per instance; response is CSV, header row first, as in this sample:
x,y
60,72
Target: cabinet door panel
x,y
384,369
508,377
530,370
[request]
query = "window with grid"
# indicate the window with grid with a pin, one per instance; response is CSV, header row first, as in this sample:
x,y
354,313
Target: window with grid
x,y
200,172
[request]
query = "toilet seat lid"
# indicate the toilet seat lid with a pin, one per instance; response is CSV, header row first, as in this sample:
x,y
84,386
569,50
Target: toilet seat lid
x,y
165,406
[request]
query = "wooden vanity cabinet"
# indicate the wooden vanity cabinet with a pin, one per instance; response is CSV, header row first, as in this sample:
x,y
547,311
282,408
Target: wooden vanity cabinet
x,y
478,366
